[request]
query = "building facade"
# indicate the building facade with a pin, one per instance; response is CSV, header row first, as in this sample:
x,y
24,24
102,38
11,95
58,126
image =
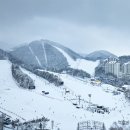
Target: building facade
x,y
90,125
126,68
113,67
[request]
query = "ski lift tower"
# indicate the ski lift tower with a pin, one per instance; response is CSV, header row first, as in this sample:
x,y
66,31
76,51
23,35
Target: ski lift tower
x,y
89,95
79,98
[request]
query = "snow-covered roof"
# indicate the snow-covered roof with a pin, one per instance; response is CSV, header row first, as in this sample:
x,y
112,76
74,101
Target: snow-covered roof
x,y
127,63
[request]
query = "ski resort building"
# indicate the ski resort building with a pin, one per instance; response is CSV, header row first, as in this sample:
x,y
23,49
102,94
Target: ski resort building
x,y
126,68
127,91
114,68
90,125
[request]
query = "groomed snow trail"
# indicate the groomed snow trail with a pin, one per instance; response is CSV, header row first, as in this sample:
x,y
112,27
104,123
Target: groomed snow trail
x,y
43,46
38,61
88,66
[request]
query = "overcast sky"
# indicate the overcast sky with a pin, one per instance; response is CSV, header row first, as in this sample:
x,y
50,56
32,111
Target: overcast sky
x,y
83,25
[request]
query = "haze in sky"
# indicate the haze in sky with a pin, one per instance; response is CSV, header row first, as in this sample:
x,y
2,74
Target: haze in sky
x,y
82,25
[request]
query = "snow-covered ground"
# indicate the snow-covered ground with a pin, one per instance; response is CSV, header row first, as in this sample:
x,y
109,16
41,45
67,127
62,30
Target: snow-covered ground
x,y
28,104
88,66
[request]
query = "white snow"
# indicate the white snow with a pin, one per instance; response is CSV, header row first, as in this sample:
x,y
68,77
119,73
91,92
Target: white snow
x,y
43,46
38,61
88,66
57,106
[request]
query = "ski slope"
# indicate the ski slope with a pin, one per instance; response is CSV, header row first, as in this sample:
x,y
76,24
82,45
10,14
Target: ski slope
x,y
38,61
31,104
88,66
43,46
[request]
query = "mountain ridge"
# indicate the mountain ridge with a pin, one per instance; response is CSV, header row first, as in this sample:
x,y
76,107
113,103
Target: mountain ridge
x,y
99,55
44,54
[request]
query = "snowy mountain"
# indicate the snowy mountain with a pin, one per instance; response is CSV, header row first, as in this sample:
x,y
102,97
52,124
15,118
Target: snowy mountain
x,y
70,52
41,54
48,54
62,104
99,55
26,96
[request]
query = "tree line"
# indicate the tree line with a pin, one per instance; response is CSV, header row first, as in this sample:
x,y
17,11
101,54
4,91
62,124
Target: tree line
x,y
22,79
